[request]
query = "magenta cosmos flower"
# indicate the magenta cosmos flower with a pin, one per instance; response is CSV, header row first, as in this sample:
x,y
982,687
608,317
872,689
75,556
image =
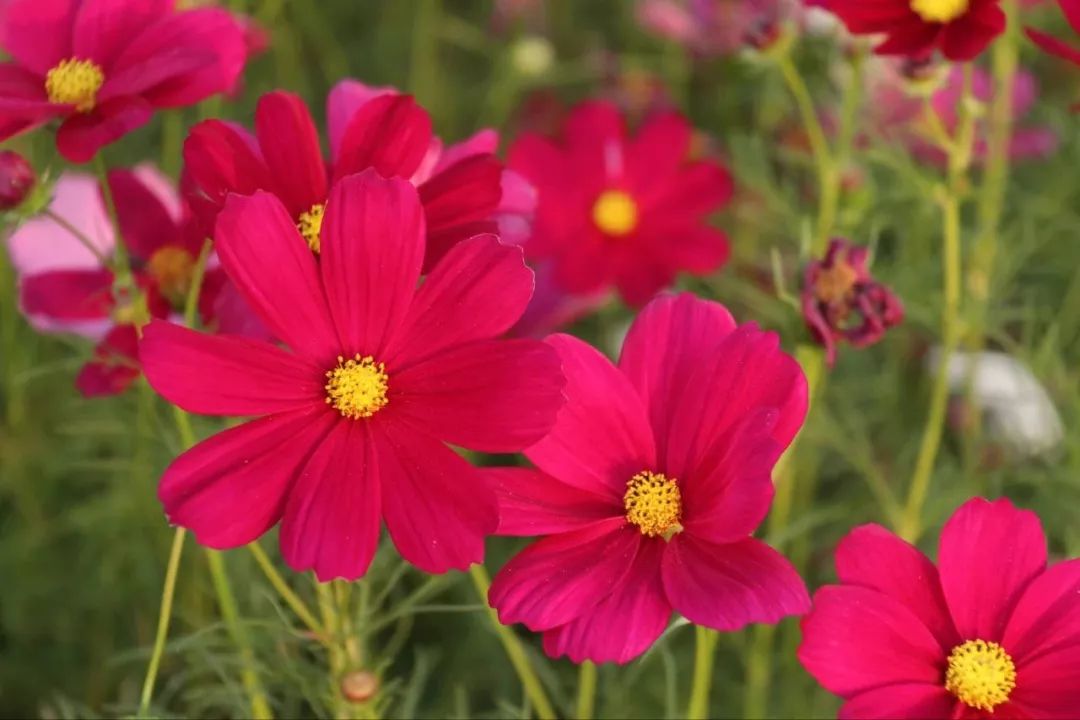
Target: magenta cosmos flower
x,y
711,27
463,188
64,287
104,66
353,422
649,485
621,211
991,632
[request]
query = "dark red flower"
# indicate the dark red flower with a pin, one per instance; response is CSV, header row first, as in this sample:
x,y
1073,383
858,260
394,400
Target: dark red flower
x,y
842,301
959,29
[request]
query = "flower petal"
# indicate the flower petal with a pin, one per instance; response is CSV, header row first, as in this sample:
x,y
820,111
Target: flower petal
x,y
230,488
222,158
372,249
666,341
264,255
290,143
601,438
730,502
115,364
856,639
462,194
209,37
331,522
42,244
912,701
344,99
145,223
563,577
726,587
1049,685
104,27
1047,616
490,395
624,624
532,503
436,505
37,33
68,294
989,553
478,291
390,133
82,135
872,557
746,373
222,375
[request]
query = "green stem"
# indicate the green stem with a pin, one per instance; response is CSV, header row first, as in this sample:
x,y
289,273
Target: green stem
x,y
514,651
586,699
287,594
704,653
827,171
950,200
759,662
423,63
260,709
164,616
78,235
121,260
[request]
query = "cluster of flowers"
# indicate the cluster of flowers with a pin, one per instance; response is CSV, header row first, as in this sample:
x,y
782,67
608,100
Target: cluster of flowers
x,y
374,308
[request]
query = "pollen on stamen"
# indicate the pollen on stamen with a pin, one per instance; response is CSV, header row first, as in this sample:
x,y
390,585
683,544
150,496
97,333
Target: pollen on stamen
x,y
310,226
654,503
940,11
75,82
357,387
980,674
615,213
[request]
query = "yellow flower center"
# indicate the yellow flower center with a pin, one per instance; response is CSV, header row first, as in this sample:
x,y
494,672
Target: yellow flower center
x,y
981,674
939,11
654,504
833,284
357,387
172,268
310,225
75,82
615,213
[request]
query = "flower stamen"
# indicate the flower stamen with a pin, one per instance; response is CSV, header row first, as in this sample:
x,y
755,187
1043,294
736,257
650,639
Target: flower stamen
x,y
653,503
173,269
357,387
75,82
310,226
615,213
980,674
939,11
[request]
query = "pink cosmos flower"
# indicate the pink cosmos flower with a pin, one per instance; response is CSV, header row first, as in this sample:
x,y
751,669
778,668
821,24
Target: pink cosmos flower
x,y
104,66
353,423
463,187
841,300
710,27
900,115
1057,47
65,288
621,211
648,487
991,632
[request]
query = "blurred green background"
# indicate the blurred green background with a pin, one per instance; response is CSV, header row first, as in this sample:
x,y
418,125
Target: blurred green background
x,y
83,543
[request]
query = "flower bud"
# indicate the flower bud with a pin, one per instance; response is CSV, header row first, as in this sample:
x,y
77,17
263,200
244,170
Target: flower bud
x,y
359,686
16,179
